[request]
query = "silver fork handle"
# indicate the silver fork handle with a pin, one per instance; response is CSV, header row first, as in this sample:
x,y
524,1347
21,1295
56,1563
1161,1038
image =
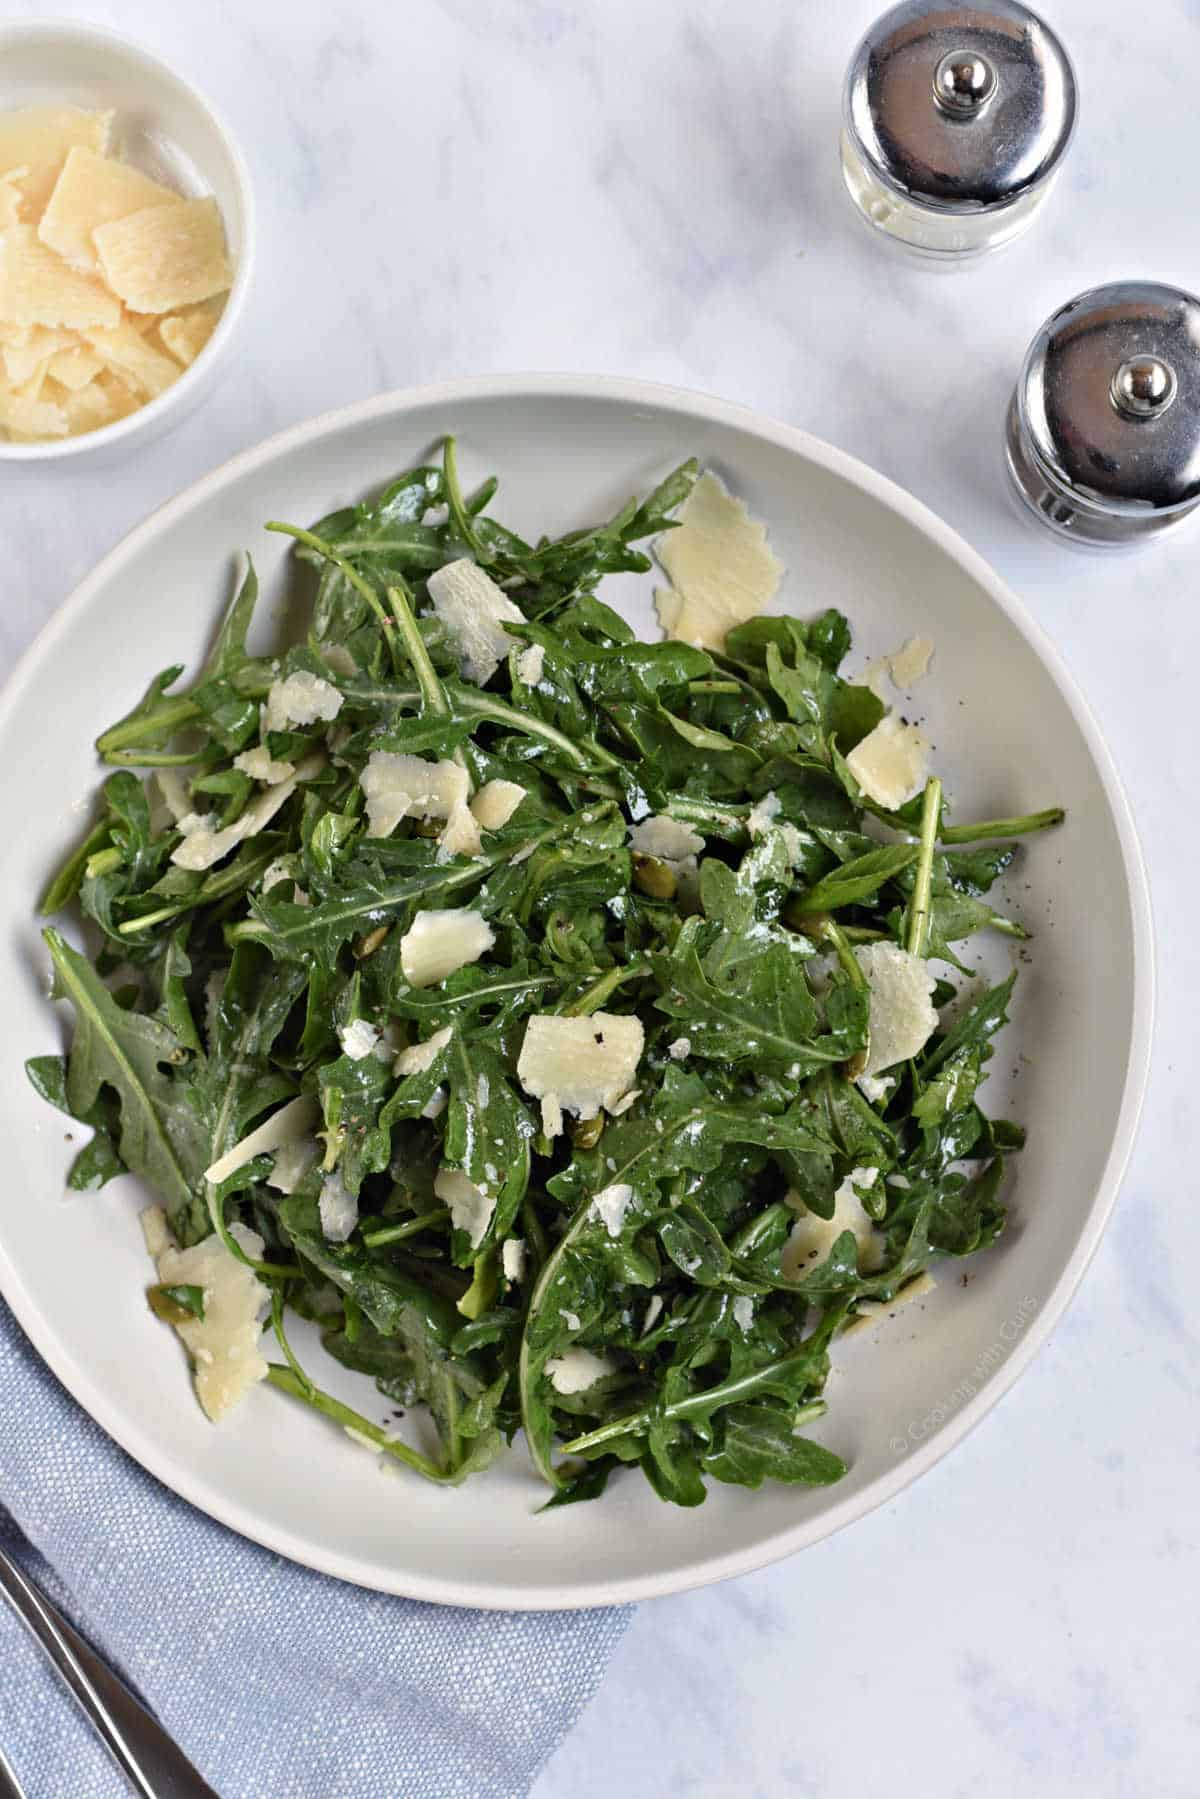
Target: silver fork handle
x,y
10,1786
151,1761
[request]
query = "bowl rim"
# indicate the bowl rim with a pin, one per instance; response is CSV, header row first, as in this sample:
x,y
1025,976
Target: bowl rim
x,y
180,392
688,403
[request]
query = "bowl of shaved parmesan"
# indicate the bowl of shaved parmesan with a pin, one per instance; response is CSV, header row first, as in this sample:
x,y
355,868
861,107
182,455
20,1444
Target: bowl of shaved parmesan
x,y
573,992
126,234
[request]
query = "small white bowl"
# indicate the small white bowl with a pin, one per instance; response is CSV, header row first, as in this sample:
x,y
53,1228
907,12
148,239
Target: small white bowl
x,y
170,131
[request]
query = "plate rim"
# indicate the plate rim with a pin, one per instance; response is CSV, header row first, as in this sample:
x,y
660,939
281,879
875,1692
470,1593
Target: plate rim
x,y
192,1486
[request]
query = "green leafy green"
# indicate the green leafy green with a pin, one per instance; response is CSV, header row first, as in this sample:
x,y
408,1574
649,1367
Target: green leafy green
x,y
619,1290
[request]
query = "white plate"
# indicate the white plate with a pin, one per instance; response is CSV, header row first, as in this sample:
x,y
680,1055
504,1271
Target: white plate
x,y
1012,733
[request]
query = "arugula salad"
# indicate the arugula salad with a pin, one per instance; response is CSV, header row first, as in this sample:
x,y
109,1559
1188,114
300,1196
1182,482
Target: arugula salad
x,y
572,1027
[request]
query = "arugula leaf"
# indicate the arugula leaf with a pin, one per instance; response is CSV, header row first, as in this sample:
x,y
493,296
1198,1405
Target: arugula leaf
x,y
134,1057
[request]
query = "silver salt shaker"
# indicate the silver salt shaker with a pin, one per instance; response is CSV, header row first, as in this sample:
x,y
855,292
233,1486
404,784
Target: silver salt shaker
x,y
1103,438
955,121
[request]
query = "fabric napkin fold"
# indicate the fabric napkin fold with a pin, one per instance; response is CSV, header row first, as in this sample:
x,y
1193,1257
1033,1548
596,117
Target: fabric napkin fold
x,y
278,1682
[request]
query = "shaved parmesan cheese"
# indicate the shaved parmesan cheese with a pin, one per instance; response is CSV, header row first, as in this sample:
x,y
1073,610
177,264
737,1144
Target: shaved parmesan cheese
x,y
201,847
512,1258
10,198
223,1344
680,1049
611,1204
474,611
165,257
34,143
902,1017
92,190
438,943
185,335
720,568
552,1118
397,786
301,699
260,765
23,417
420,1056
102,402
470,1207
875,1087
37,288
666,838
338,1209
75,367
358,1039
586,1063
652,1311
22,361
496,802
891,762
575,1370
295,1120
128,354
155,1231
872,1311
875,676
910,663
172,784
292,1163
743,1313
530,664
461,835
812,1238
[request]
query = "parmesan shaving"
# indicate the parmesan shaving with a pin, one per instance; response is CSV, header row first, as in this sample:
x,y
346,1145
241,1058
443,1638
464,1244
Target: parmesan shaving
x,y
719,565
470,1207
421,1056
397,786
165,257
223,1345
93,190
185,335
474,611
34,144
891,762
575,1370
36,288
910,663
812,1237
290,1124
436,944
495,804
586,1063
128,354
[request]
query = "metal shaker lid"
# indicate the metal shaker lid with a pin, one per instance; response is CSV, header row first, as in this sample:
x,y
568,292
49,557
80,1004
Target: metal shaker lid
x,y
1104,431
961,108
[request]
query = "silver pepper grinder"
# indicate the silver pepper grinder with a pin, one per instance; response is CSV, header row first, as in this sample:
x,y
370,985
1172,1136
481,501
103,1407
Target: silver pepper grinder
x,y
955,121
1103,437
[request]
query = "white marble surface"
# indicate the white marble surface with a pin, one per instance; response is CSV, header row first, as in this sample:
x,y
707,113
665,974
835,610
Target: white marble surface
x,y
471,185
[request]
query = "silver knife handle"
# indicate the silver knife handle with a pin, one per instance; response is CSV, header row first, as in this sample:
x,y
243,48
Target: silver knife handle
x,y
151,1761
